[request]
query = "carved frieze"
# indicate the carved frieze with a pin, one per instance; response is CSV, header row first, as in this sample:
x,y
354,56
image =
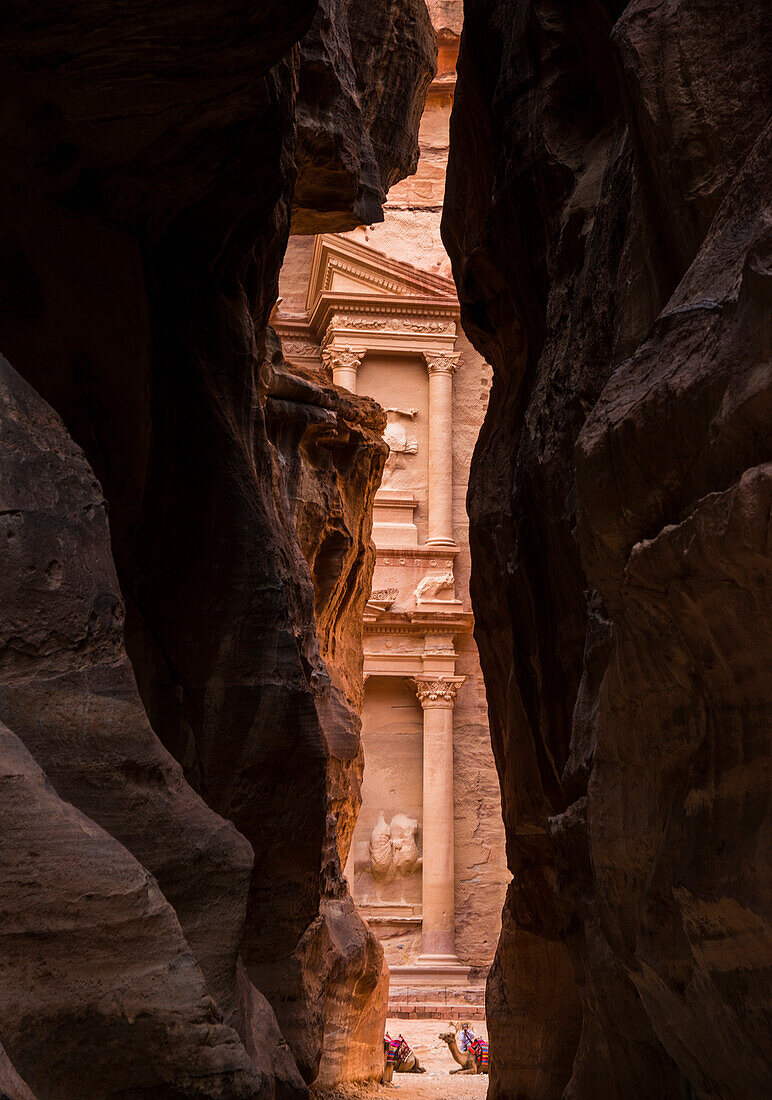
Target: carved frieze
x,y
299,348
389,324
386,596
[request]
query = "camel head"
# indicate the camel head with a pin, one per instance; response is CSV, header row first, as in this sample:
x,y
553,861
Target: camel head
x,y
448,1036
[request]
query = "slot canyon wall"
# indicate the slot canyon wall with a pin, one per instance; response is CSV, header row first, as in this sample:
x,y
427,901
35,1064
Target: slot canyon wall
x,y
179,744
608,215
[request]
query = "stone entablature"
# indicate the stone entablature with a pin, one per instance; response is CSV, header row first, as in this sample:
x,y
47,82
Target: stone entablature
x,y
412,651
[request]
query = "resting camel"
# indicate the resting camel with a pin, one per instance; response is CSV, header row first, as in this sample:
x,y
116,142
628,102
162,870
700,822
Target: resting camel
x,y
467,1061
402,1059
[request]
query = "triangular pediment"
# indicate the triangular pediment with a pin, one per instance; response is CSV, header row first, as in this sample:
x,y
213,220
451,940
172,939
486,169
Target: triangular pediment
x,y
343,266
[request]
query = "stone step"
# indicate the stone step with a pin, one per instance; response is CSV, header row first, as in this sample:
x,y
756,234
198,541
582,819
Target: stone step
x,y
468,995
427,1010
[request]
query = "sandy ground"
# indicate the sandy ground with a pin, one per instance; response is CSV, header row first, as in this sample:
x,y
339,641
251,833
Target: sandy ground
x,y
436,1083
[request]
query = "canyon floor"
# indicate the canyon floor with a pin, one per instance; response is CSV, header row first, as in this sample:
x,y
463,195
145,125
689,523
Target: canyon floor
x,y
435,1084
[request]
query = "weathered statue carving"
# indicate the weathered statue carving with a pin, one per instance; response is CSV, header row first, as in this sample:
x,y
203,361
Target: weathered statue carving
x,y
399,444
434,583
393,849
398,441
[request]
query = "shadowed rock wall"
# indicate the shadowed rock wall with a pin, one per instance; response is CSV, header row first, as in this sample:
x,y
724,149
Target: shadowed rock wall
x,y
190,737
363,79
608,217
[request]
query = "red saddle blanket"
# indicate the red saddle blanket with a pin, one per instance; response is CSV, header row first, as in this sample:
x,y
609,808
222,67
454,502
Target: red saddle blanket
x,y
480,1050
397,1050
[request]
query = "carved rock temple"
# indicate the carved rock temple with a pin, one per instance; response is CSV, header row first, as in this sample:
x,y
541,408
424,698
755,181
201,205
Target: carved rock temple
x,y
376,312
249,806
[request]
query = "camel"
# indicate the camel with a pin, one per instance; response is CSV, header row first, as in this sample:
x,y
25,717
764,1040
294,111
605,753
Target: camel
x,y
467,1061
402,1059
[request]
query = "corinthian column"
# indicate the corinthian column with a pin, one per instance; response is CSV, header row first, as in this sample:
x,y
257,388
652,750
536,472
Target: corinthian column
x,y
438,934
344,364
441,366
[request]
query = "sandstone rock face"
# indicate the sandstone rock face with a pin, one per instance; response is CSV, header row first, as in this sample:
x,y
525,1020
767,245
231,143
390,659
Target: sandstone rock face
x,y
200,759
329,991
607,214
86,932
12,1085
357,132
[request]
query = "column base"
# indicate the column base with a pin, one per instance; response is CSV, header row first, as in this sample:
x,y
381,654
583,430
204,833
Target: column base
x,y
446,544
432,970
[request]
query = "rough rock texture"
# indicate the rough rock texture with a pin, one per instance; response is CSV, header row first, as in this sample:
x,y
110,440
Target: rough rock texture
x,y
329,991
607,214
149,162
100,947
357,132
13,1088
68,693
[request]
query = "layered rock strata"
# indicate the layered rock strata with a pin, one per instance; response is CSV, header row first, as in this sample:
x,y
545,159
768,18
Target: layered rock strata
x,y
607,214
194,768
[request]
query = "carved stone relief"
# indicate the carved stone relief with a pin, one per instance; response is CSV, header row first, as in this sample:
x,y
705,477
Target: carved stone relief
x,y
393,848
400,443
432,584
436,692
342,357
297,348
389,324
386,596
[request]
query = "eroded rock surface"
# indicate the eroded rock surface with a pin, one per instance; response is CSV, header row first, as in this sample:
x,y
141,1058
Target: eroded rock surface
x,y
150,161
364,73
607,214
87,935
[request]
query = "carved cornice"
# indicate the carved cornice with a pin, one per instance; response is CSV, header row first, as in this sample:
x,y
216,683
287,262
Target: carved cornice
x,y
441,362
437,693
337,313
346,303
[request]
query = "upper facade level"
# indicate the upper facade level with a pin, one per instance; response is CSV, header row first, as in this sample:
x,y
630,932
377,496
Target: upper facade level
x,y
383,328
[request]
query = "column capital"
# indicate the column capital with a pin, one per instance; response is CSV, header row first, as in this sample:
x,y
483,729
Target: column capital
x,y
345,358
437,693
441,362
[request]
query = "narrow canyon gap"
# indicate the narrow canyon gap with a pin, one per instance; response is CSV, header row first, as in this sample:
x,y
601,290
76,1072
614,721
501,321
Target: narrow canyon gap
x,y
375,311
